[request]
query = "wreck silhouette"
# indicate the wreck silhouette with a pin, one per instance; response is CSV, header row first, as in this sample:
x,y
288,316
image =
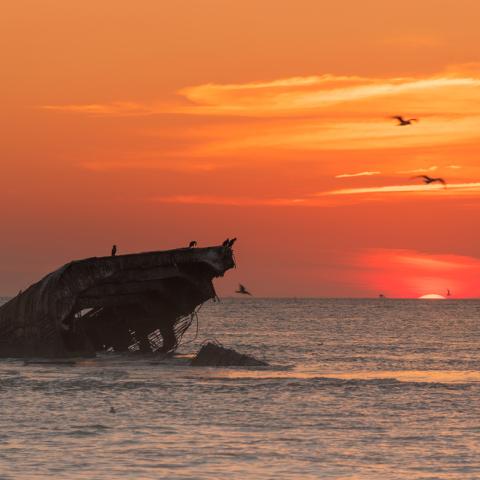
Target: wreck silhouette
x,y
115,302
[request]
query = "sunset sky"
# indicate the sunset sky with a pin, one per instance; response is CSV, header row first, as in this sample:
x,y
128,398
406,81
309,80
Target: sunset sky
x,y
152,123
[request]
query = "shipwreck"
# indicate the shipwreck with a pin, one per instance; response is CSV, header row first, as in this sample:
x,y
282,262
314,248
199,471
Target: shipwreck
x,y
142,301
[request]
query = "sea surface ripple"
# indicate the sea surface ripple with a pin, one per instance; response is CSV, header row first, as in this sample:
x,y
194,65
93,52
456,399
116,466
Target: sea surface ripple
x,y
357,389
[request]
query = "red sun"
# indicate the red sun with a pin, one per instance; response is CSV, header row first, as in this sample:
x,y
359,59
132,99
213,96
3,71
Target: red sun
x,y
432,296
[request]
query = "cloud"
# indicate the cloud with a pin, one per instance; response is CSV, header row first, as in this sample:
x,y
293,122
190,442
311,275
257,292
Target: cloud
x,y
227,201
105,109
317,112
429,169
294,95
420,170
360,174
318,135
301,94
318,199
453,188
417,260
160,164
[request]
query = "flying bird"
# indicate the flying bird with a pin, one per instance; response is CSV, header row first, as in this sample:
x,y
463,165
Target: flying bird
x,y
114,250
427,180
242,290
192,244
403,122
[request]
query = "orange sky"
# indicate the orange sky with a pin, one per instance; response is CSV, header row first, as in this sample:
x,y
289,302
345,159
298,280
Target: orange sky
x,y
152,123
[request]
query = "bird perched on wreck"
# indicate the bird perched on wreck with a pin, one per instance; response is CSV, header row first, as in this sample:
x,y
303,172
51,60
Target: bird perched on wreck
x,y
242,290
403,122
427,180
114,250
192,244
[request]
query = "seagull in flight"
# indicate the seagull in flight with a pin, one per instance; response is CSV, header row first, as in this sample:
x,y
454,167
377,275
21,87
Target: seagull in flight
x,y
427,180
403,122
242,290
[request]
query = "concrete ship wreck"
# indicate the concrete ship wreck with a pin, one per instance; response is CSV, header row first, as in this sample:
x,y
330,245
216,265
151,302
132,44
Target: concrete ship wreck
x,y
146,300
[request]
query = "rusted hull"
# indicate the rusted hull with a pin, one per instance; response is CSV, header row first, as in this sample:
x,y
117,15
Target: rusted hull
x,y
98,303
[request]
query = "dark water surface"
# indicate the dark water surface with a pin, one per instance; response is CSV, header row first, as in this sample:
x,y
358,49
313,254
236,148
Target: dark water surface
x,y
358,389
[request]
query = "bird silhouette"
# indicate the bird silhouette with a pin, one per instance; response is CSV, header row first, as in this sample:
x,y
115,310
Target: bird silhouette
x,y
192,244
427,180
114,250
403,122
242,290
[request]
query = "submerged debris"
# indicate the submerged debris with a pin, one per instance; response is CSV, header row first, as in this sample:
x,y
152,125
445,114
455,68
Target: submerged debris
x,y
214,355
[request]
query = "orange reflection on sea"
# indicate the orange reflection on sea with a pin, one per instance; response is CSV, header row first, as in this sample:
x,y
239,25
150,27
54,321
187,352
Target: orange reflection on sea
x,y
417,376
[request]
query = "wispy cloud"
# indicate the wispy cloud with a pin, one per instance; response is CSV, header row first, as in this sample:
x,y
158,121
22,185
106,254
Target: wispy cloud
x,y
420,170
108,109
453,188
228,201
294,95
433,168
334,134
160,164
320,112
301,94
360,174
326,198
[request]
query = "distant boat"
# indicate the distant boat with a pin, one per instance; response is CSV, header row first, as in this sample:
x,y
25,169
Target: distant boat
x,y
381,295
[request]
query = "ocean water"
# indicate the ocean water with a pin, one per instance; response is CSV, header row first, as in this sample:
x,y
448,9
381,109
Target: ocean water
x,y
357,389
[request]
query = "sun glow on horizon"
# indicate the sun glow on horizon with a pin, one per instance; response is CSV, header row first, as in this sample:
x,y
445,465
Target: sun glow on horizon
x,y
432,296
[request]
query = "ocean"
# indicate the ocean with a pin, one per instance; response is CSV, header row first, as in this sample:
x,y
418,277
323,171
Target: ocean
x,y
356,389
